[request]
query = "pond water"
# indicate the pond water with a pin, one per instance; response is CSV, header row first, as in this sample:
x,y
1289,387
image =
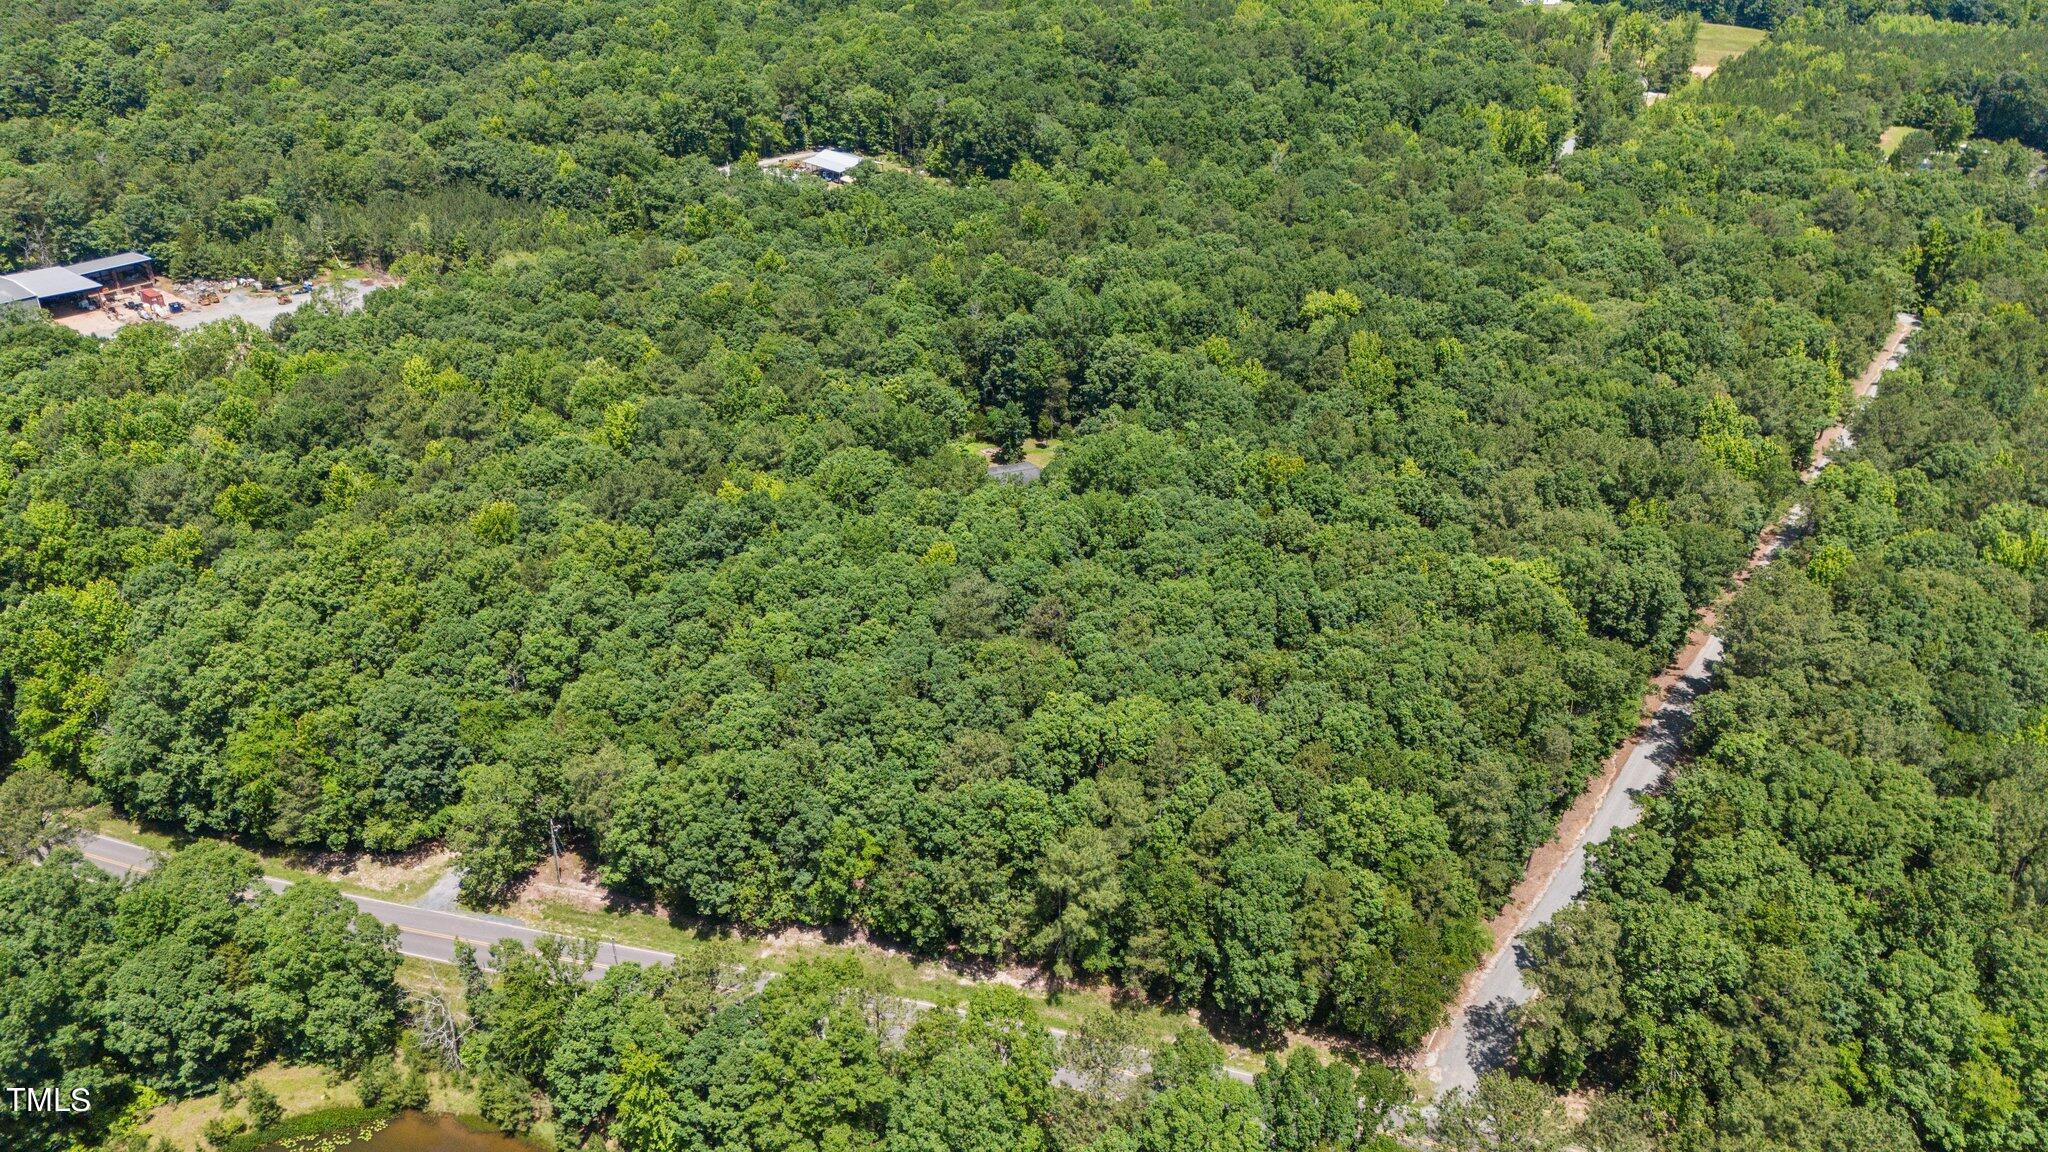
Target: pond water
x,y
418,1132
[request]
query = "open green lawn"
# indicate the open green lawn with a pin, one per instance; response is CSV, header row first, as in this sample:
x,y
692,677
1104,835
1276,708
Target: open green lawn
x,y
1889,140
1719,43
1039,452
298,1089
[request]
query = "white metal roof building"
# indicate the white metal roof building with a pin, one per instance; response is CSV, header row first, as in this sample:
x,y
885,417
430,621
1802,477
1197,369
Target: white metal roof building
x,y
43,285
50,283
120,263
832,161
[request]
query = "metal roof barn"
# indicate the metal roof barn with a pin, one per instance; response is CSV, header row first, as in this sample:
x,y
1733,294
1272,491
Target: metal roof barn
x,y
834,161
104,264
52,283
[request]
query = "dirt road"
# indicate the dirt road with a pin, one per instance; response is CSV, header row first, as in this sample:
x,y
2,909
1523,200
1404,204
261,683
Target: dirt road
x,y
1479,1035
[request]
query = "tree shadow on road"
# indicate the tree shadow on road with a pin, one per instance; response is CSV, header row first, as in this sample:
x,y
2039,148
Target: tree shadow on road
x,y
1669,739
1490,1035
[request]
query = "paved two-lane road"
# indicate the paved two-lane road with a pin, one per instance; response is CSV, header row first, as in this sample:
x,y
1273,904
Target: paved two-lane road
x,y
424,933
430,934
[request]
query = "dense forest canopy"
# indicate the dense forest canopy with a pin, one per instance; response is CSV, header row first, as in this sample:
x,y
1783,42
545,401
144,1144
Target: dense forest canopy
x,y
1953,81
1829,933
1803,16
1396,445
1396,451
1831,930
688,1057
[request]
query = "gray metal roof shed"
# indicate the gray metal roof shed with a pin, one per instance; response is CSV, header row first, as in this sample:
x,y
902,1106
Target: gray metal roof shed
x,y
12,293
52,283
120,263
834,161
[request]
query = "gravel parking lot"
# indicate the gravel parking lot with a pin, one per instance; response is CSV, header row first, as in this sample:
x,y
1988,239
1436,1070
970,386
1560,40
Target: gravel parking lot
x,y
259,308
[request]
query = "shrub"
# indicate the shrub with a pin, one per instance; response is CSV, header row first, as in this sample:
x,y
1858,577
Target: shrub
x,y
264,1110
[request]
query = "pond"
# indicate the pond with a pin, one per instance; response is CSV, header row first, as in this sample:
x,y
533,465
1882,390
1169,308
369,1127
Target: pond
x,y
410,1132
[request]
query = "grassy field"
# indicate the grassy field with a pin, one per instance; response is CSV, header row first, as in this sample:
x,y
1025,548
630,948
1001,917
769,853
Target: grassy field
x,y
298,1090
1719,43
302,1091
1039,452
1889,140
